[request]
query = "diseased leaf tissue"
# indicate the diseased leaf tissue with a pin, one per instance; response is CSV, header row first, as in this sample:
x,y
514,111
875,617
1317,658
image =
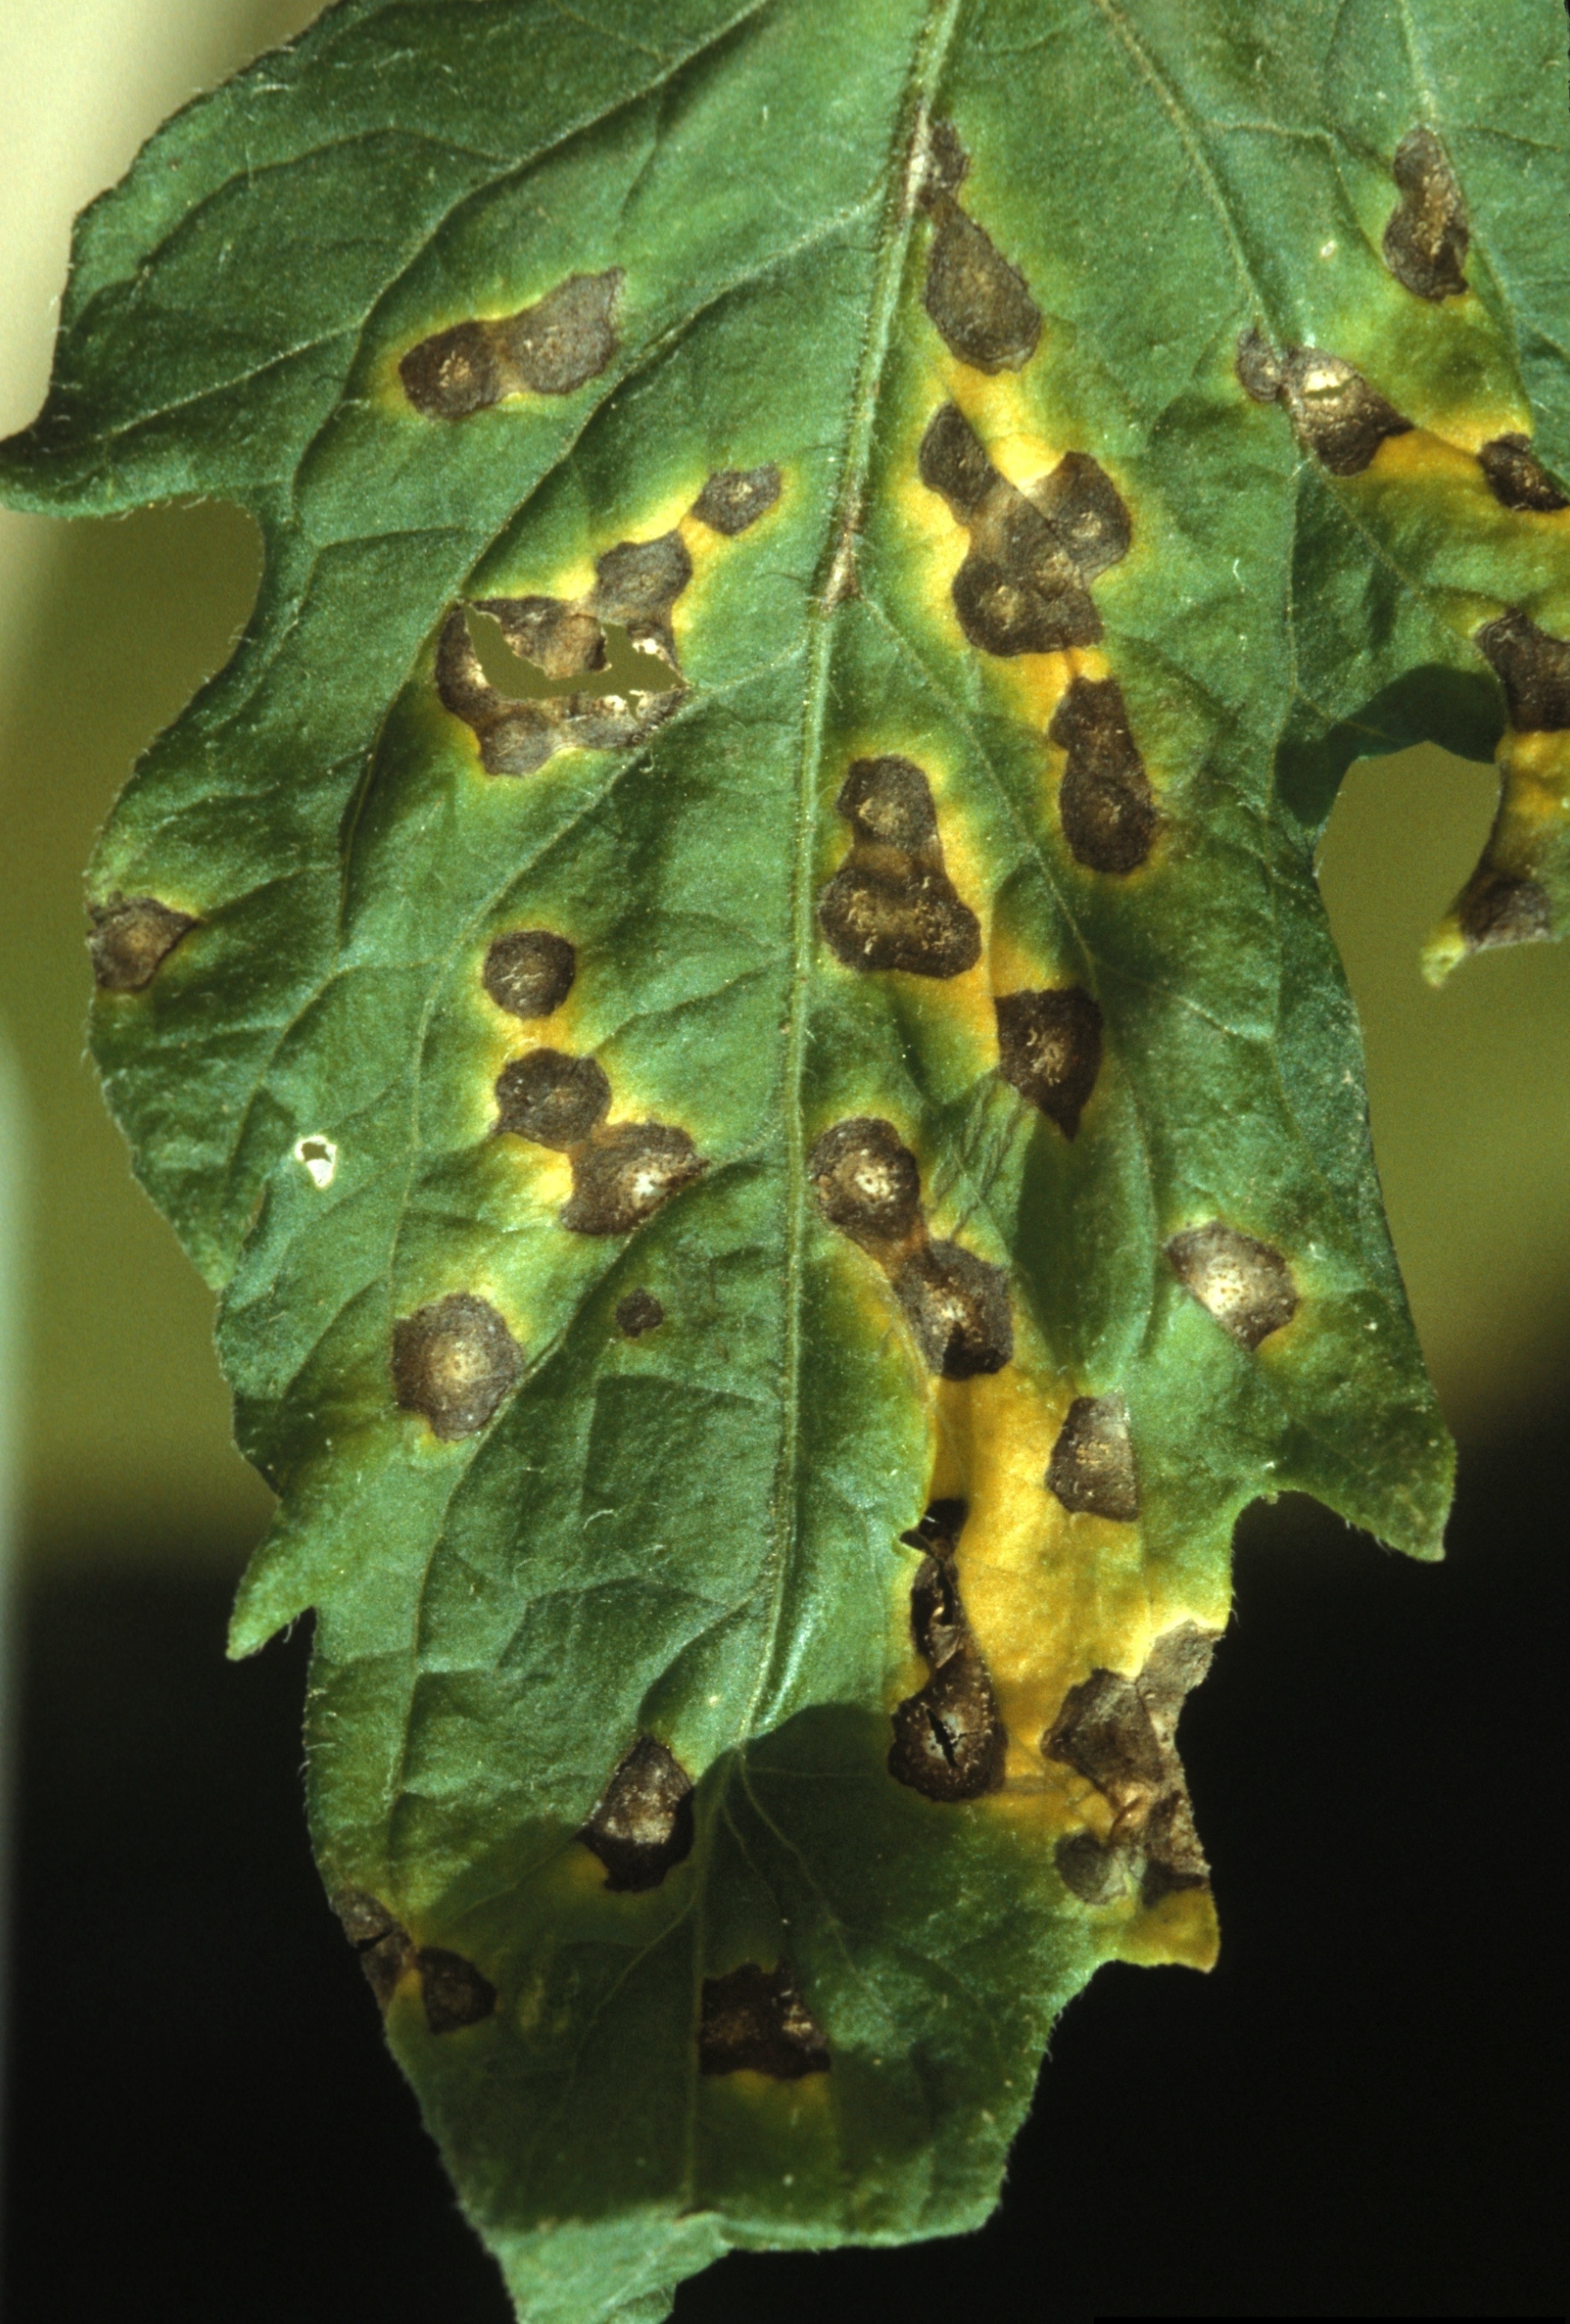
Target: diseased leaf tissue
x,y
770,1218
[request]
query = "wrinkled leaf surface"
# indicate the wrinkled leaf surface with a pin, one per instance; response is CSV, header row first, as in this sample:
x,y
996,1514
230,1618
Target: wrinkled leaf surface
x,y
730,984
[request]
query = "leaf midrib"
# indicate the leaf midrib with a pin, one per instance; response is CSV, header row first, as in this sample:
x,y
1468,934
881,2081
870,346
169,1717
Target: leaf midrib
x,y
931,53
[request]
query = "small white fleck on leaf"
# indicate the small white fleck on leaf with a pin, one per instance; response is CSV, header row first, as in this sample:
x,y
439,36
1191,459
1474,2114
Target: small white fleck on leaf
x,y
320,1156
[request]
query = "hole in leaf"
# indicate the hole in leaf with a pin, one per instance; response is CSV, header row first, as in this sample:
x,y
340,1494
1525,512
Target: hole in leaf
x,y
625,669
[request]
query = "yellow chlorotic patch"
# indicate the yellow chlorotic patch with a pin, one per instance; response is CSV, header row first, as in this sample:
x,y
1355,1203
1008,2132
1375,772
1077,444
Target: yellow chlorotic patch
x,y
1038,682
547,1175
1050,1597
1014,966
1179,1930
1420,457
1536,773
1445,949
997,409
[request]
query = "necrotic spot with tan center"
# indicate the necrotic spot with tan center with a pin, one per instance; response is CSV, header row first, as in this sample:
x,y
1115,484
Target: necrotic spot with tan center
x,y
1105,801
642,1824
1087,511
130,938
1338,415
1121,1735
956,1304
383,1946
950,1743
1427,236
550,1099
551,348
867,1182
1534,668
624,1173
1049,1046
958,1307
529,972
1518,479
637,584
1092,1471
638,1313
892,905
1245,1285
1023,587
735,498
980,305
452,1362
1335,413
455,1993
756,2020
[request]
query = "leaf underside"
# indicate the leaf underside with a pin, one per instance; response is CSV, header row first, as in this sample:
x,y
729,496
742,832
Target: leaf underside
x,y
730,982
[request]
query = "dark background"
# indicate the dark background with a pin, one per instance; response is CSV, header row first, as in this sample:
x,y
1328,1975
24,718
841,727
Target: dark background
x,y
1349,2117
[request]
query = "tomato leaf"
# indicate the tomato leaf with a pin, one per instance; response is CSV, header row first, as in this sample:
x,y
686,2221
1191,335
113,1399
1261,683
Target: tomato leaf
x,y
730,983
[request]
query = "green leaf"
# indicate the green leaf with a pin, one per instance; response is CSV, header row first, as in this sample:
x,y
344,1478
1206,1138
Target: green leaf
x,y
779,1179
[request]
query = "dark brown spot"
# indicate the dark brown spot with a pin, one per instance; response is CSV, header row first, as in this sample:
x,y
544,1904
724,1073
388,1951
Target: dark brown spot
x,y
1104,1731
1092,1469
916,923
636,587
1534,668
453,1992
1087,511
953,460
948,1742
937,1529
638,1313
892,905
635,584
867,1183
131,938
958,1307
529,972
1341,420
1022,593
643,1822
734,498
1021,587
550,1099
1049,1046
1259,369
888,802
755,2021
1121,1735
515,734
1090,1870
1105,799
561,640
937,1624
625,1172
565,339
980,304
1425,238
1245,1285
945,164
384,1948
452,1362
1518,479
1497,907
621,1171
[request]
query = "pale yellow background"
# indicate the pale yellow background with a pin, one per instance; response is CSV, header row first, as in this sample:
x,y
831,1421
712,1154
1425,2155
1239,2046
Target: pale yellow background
x,y
105,629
